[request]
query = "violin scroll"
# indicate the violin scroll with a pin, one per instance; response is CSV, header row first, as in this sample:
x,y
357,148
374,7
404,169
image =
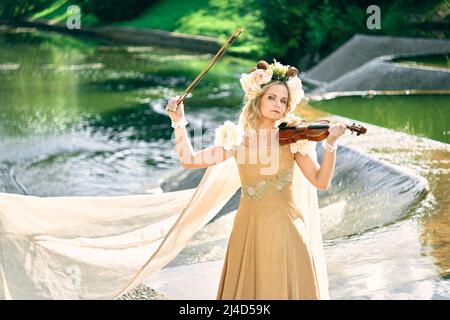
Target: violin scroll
x,y
357,128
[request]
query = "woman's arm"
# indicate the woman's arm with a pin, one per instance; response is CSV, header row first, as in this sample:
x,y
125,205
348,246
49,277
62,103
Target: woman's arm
x,y
190,159
321,176
202,159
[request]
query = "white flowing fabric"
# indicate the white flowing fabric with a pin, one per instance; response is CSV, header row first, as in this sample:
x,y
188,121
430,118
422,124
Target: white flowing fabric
x,y
101,247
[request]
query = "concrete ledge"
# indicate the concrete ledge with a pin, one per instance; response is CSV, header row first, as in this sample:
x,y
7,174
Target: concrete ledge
x,y
384,75
361,49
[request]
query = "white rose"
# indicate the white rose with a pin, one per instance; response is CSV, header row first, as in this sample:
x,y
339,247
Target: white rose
x,y
249,84
229,135
295,90
295,82
262,76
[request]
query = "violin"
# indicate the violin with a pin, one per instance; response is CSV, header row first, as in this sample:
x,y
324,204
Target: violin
x,y
316,131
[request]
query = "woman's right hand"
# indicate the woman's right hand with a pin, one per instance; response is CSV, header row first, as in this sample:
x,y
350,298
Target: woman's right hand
x,y
178,114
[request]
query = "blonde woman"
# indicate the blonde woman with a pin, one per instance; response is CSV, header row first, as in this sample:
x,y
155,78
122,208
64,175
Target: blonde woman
x,y
275,249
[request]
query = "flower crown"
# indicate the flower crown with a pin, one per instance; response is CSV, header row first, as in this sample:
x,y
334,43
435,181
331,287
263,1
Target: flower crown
x,y
264,73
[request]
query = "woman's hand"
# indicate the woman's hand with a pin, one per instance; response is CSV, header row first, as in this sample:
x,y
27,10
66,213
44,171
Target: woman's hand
x,y
175,112
336,130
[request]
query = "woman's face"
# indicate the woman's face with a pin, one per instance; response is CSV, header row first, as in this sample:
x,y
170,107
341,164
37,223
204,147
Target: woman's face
x,y
274,102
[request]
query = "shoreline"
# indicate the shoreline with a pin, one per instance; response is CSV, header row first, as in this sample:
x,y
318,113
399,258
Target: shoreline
x,y
129,35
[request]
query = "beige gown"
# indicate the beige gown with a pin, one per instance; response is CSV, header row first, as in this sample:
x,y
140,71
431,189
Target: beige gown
x,y
268,254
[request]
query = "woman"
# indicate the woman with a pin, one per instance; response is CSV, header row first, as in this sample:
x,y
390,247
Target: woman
x,y
269,254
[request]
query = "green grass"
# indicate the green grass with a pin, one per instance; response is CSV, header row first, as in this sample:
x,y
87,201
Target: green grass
x,y
216,18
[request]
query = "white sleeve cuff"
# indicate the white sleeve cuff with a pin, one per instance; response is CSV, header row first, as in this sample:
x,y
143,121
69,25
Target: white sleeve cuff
x,y
180,123
329,147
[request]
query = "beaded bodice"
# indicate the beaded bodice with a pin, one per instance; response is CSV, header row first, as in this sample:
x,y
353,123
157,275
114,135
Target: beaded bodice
x,y
265,173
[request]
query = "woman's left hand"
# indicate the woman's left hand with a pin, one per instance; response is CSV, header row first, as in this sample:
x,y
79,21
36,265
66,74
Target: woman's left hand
x,y
336,130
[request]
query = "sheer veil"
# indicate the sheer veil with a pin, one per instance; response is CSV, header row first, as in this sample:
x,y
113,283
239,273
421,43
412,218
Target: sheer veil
x,y
101,247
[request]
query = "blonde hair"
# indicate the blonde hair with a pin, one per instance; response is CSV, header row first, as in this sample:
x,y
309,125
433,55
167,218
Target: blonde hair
x,y
250,112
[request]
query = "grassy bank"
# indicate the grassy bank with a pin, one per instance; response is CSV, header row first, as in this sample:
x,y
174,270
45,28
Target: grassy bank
x,y
218,18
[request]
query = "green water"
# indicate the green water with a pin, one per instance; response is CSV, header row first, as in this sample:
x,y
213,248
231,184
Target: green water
x,y
89,116
419,115
49,82
438,60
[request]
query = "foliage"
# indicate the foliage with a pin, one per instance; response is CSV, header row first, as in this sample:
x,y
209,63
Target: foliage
x,y
12,9
216,18
116,10
317,27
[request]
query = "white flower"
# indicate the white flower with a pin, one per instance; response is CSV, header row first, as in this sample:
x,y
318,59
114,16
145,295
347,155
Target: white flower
x,y
304,146
251,191
250,86
251,83
295,82
262,76
229,135
295,90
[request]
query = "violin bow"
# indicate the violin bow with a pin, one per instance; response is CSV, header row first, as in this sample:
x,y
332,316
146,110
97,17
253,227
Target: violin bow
x,y
216,58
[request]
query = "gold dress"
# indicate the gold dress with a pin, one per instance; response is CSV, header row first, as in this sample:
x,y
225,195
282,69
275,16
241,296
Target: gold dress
x,y
268,254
